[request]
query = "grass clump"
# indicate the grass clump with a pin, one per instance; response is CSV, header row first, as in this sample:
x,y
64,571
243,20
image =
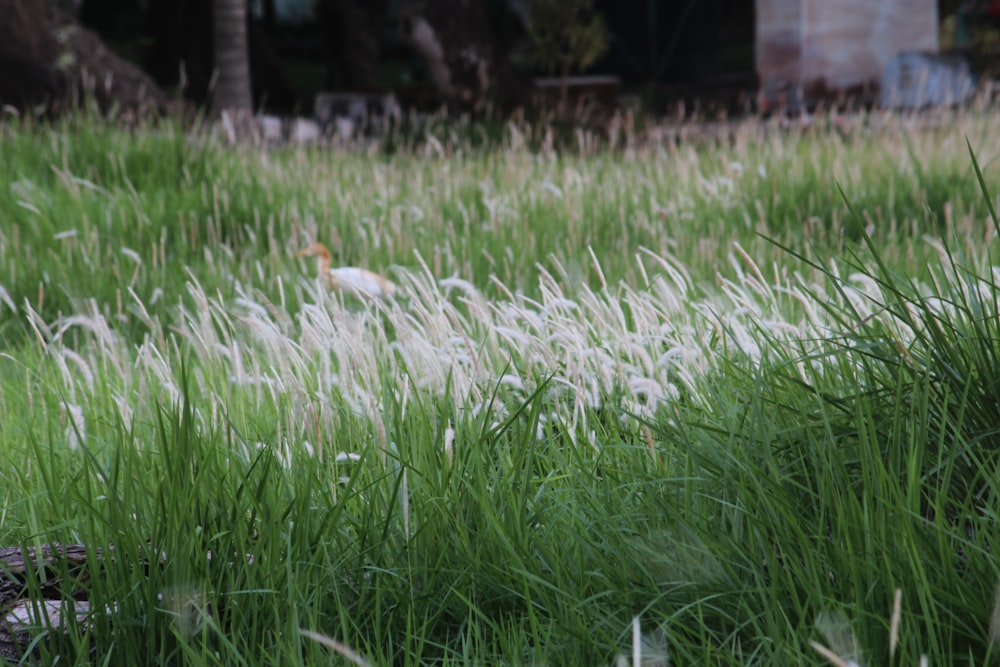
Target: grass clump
x,y
693,403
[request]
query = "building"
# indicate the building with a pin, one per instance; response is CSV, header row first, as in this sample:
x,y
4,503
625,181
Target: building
x,y
807,49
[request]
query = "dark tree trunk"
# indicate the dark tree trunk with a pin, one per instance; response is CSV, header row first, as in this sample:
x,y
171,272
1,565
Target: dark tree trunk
x,y
232,60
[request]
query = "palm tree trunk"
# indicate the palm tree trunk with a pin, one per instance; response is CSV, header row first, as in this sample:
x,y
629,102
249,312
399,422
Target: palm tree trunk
x,y
232,62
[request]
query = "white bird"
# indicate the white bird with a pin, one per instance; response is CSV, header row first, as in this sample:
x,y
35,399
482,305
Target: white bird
x,y
350,280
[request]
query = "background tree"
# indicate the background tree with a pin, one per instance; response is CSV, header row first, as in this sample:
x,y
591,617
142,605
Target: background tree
x,y
464,60
232,61
566,35
174,41
28,51
49,62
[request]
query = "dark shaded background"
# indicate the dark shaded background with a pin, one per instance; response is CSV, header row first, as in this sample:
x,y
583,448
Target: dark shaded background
x,y
662,43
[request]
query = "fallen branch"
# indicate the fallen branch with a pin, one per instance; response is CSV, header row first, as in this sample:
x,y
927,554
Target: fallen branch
x,y
33,590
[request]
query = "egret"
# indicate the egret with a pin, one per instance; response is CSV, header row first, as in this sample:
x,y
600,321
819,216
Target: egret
x,y
351,280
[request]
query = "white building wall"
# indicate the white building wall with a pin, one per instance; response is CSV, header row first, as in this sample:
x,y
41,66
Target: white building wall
x,y
810,46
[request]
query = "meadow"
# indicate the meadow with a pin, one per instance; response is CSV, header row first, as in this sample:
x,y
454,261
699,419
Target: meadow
x,y
635,400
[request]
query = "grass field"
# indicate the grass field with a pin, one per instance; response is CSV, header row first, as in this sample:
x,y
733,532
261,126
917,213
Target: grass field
x,y
714,401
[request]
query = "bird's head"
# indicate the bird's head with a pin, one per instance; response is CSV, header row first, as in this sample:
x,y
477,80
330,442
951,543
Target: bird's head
x,y
315,250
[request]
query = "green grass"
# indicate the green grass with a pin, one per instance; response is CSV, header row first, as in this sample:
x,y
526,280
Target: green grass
x,y
736,393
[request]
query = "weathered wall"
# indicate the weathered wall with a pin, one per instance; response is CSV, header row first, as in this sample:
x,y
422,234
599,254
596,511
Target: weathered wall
x,y
779,43
815,46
